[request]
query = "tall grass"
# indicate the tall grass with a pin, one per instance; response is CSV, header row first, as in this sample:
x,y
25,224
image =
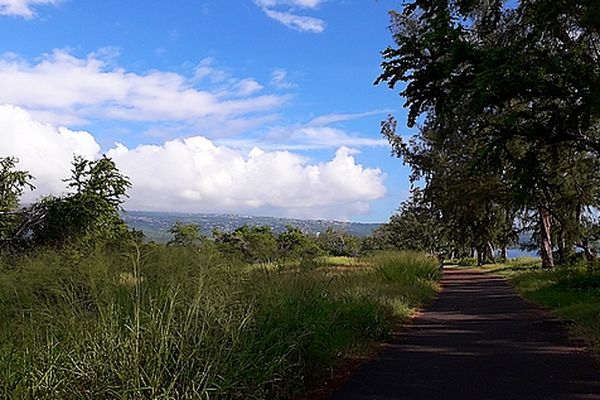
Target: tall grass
x,y
174,323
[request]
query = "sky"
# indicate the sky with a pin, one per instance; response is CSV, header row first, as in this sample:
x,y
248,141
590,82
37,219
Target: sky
x,y
253,107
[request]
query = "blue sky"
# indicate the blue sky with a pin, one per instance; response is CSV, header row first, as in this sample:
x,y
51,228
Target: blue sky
x,y
246,106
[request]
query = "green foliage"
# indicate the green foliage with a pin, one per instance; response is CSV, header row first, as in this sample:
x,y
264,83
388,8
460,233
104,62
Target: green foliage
x,y
417,226
338,243
406,266
467,262
248,243
295,244
173,322
12,185
509,124
90,213
185,235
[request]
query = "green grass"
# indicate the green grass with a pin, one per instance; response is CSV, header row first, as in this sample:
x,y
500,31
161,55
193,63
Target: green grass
x,y
174,323
573,293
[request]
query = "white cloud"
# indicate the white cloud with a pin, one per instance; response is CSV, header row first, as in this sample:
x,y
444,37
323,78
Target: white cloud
x,y
248,87
332,137
279,79
306,138
64,88
300,23
297,3
328,119
22,8
289,18
313,135
43,150
196,175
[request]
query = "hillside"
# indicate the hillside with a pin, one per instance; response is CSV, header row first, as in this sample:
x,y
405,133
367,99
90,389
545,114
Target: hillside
x,y
156,225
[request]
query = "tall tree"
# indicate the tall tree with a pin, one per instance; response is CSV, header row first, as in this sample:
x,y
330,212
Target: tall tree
x,y
516,84
90,212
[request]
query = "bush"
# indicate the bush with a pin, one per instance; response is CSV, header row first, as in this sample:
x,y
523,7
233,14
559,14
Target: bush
x,y
467,262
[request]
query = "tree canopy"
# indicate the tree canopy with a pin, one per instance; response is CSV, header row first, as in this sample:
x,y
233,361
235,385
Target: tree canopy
x,y
505,100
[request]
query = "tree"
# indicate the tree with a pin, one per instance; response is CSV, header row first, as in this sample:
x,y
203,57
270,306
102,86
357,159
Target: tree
x,y
89,213
416,226
295,244
338,243
501,94
249,243
185,235
13,184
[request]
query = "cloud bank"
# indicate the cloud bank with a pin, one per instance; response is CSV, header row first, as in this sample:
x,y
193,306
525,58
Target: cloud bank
x,y
196,175
64,89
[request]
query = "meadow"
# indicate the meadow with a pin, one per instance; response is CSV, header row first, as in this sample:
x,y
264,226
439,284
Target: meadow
x,y
157,322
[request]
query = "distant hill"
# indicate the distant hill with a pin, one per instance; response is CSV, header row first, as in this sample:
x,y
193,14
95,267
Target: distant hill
x,y
156,225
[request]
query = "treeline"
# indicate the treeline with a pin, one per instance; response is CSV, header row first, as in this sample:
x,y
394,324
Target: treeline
x,y
88,215
506,101
259,244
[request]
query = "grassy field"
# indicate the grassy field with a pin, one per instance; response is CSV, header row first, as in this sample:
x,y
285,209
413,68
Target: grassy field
x,y
173,323
573,293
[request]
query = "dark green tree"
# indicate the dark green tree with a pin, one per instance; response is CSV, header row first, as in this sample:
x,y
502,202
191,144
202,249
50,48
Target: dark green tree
x,y
416,226
512,85
338,243
295,244
13,184
186,235
249,243
89,213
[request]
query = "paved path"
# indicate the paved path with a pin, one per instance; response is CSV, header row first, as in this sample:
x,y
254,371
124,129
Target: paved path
x,y
478,340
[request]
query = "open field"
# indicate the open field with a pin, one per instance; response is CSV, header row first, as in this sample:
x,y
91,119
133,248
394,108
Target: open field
x,y
173,322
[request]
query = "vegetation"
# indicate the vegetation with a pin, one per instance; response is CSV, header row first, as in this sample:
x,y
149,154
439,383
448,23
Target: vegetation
x,y
88,309
174,322
506,103
12,185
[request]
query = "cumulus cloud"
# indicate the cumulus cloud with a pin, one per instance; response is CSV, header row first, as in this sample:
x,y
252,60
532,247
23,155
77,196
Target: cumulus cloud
x,y
22,8
62,88
197,175
42,149
194,174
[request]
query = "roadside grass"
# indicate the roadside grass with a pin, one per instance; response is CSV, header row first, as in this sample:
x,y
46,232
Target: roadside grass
x,y
173,323
572,293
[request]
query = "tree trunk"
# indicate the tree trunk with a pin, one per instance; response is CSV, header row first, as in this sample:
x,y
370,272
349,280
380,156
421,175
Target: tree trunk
x,y
480,256
560,247
546,238
490,252
504,254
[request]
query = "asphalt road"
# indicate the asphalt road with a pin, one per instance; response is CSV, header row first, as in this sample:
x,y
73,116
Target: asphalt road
x,y
478,340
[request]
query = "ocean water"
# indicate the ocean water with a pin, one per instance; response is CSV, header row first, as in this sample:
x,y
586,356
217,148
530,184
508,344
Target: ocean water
x,y
516,253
